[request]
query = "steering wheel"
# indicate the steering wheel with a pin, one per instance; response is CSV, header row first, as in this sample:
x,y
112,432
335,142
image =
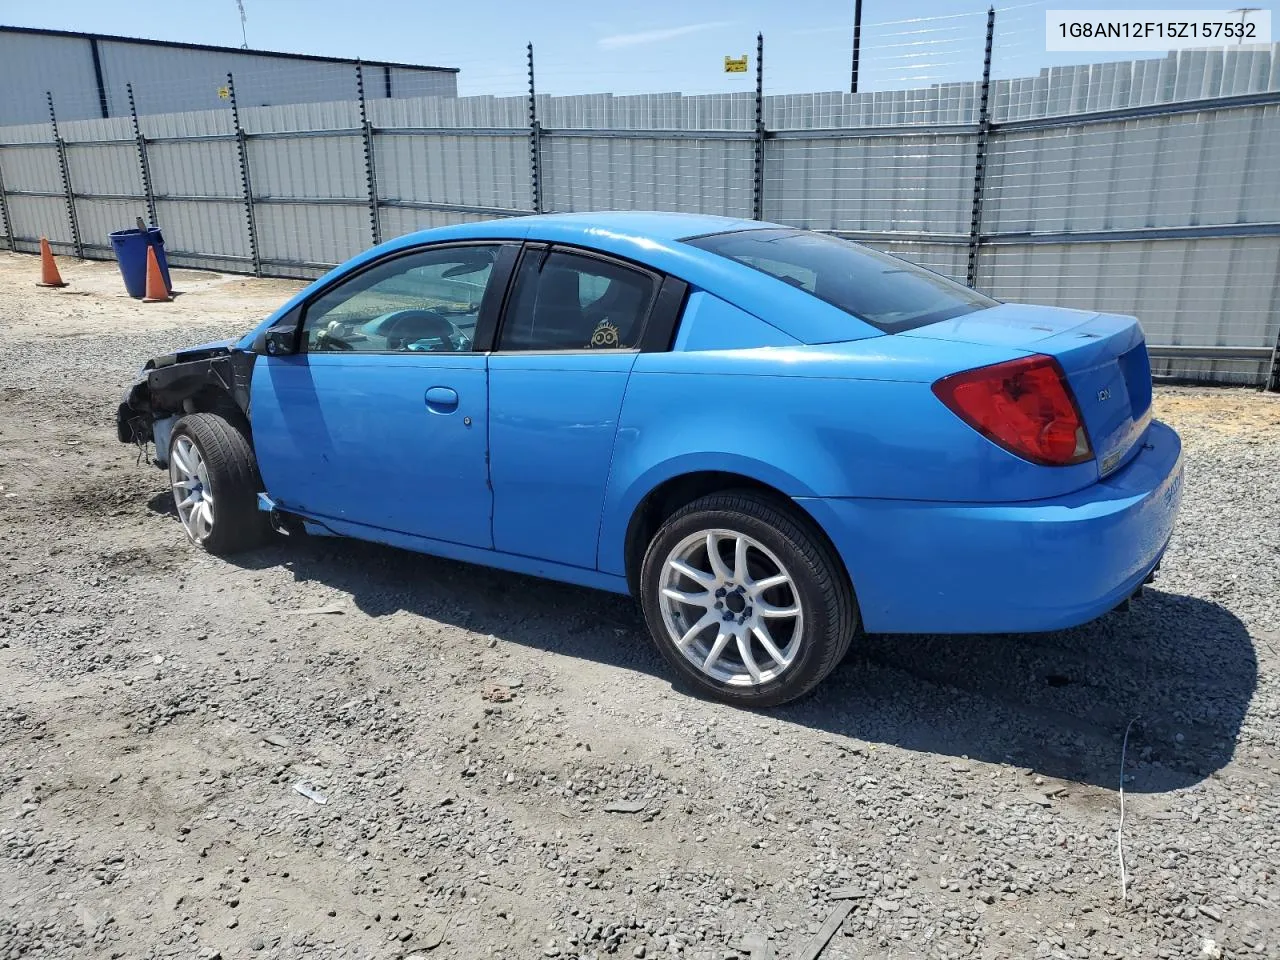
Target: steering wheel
x,y
416,323
401,327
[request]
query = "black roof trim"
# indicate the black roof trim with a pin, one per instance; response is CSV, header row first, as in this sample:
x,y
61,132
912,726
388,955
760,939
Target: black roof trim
x,y
40,31
764,225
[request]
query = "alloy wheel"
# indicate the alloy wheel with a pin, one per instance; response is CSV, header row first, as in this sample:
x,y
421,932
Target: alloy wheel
x,y
191,494
731,608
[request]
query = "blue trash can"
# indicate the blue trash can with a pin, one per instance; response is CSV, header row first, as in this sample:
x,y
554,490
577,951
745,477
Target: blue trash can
x,y
130,247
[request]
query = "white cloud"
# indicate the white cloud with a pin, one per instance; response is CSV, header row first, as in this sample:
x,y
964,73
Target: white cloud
x,y
656,36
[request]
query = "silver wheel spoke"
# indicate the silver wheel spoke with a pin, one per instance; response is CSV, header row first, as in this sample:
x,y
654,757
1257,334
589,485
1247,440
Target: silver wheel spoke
x,y
704,599
180,459
760,586
740,560
770,648
707,620
769,610
693,573
185,484
717,648
190,499
713,557
748,661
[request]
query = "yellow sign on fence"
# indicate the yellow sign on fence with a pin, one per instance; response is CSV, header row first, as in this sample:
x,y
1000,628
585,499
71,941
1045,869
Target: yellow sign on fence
x,y
735,64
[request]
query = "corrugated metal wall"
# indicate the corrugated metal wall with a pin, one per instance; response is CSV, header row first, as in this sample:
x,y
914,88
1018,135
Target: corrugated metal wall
x,y
1092,87
31,64
170,78
33,187
1145,187
1173,217
195,173
650,151
428,175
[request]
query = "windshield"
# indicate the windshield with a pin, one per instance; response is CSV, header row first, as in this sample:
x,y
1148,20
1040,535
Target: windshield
x,y
890,294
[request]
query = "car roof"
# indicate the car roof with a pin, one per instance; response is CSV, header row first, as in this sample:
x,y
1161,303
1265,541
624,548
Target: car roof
x,y
632,224
651,238
646,223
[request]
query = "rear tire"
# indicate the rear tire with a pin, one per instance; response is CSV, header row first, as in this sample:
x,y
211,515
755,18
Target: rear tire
x,y
762,621
214,477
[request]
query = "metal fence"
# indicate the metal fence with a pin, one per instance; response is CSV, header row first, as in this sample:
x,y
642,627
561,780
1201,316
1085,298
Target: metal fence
x,y
1146,187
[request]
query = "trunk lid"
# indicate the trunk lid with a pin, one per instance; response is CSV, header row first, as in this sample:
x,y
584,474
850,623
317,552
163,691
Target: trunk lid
x,y
1104,356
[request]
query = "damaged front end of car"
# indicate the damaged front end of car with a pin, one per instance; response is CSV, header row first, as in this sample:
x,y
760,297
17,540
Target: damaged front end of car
x,y
212,377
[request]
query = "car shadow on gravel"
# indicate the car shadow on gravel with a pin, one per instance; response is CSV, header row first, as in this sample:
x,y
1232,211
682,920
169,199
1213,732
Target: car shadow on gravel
x,y
1183,669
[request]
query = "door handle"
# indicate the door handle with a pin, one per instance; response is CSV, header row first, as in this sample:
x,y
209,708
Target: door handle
x,y
442,399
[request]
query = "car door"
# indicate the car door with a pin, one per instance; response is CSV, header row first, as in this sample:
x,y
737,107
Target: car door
x,y
572,328
381,417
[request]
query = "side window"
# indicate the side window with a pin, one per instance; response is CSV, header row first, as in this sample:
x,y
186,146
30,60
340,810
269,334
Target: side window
x,y
564,301
424,301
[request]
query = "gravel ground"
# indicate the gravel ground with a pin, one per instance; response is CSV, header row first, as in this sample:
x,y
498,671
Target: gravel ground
x,y
159,707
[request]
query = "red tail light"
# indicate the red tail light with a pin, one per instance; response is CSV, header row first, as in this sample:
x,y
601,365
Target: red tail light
x,y
1025,406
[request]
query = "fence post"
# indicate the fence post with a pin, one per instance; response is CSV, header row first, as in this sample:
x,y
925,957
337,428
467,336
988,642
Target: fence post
x,y
246,182
370,171
144,165
535,142
66,179
4,212
1272,383
980,155
757,161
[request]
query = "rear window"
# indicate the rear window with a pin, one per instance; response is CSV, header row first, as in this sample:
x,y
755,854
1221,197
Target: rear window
x,y
890,294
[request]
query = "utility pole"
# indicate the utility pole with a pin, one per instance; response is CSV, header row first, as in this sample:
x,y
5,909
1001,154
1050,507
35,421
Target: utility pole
x,y
857,44
1244,13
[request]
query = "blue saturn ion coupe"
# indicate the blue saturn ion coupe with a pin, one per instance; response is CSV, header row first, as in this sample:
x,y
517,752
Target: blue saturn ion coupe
x,y
772,438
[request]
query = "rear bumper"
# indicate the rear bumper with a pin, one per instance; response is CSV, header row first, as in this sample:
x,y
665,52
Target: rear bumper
x,y
921,567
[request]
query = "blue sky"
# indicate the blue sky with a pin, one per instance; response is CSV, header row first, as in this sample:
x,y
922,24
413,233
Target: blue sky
x,y
595,45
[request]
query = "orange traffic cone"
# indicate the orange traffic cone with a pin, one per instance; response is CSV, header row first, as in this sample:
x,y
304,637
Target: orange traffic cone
x,y
49,275
157,292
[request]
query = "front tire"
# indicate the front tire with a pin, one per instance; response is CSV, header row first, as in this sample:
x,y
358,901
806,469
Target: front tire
x,y
215,482
746,600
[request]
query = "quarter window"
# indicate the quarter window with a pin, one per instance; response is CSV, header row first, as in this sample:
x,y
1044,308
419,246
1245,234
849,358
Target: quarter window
x,y
427,301
564,301
890,294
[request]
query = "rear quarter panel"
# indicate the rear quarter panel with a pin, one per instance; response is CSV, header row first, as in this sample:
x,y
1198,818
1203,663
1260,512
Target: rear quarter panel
x,y
836,420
